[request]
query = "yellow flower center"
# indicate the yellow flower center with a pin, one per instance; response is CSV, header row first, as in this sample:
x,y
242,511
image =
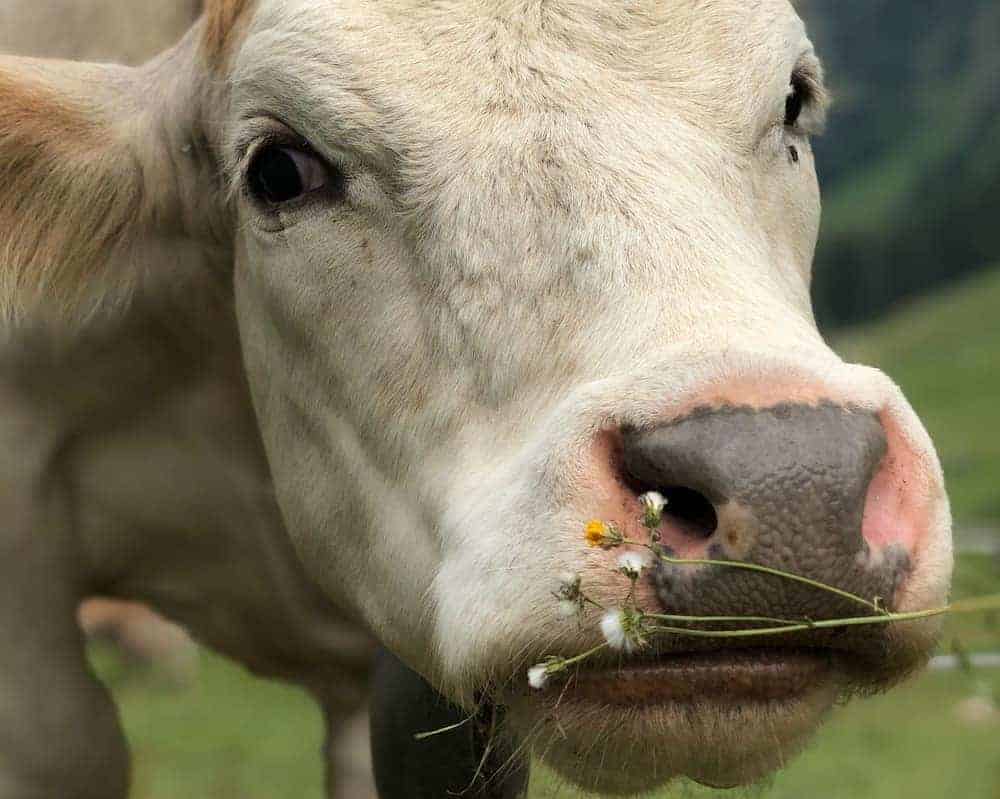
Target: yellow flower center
x,y
595,532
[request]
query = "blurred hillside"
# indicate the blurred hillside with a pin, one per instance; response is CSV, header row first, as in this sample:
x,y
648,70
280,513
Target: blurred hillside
x,y
944,350
910,164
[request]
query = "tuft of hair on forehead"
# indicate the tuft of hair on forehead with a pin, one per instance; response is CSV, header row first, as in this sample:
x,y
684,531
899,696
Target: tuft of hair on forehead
x,y
68,193
223,22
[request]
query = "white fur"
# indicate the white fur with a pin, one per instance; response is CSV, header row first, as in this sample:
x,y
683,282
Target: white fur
x,y
561,217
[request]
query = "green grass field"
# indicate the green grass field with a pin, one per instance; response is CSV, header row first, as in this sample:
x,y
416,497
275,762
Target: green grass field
x,y
231,736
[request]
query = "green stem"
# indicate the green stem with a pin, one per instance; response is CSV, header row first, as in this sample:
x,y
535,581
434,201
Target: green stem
x,y
564,664
975,605
812,625
756,567
722,619
420,736
590,601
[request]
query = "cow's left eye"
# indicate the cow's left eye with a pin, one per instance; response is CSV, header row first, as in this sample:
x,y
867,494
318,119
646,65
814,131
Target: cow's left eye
x,y
797,98
278,174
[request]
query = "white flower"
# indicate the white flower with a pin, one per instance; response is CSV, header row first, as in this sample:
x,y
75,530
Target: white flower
x,y
569,607
653,503
624,629
538,676
569,579
614,631
653,499
631,564
569,585
569,594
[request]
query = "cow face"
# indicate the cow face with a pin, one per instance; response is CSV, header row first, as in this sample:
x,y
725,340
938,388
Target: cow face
x,y
500,270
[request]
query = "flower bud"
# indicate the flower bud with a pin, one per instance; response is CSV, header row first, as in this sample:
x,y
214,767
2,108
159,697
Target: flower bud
x,y
653,503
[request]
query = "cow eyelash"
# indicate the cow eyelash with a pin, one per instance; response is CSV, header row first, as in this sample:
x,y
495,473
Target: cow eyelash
x,y
806,101
796,101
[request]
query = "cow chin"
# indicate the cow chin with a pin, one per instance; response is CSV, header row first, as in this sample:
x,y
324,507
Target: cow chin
x,y
722,717
625,750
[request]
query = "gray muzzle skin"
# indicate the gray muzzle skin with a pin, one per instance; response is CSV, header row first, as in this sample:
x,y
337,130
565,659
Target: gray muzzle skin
x,y
783,487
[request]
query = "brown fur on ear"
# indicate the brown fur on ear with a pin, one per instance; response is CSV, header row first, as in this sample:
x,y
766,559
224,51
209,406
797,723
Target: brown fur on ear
x,y
69,190
224,20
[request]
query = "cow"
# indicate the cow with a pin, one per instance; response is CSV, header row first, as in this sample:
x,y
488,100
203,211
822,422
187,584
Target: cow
x,y
340,321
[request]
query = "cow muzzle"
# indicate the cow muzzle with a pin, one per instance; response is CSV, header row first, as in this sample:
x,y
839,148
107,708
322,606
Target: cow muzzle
x,y
816,490
784,487
832,493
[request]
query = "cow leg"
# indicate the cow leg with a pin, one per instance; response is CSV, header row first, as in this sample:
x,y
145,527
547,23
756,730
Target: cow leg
x,y
348,757
472,760
341,688
59,732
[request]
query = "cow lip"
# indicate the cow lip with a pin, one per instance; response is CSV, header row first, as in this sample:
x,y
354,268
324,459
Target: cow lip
x,y
722,676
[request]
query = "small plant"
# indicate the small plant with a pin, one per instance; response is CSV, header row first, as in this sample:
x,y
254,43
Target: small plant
x,y
628,628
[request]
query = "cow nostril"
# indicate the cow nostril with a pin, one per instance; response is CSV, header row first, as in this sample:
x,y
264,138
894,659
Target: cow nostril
x,y
690,510
686,508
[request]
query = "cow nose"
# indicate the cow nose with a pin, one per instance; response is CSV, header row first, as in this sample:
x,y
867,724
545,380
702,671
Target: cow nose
x,y
783,487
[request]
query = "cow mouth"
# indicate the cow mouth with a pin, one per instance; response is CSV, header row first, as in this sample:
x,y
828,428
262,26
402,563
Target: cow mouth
x,y
713,672
723,715
740,675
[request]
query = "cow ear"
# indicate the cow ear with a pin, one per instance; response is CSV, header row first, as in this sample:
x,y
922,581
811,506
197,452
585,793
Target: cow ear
x,y
107,183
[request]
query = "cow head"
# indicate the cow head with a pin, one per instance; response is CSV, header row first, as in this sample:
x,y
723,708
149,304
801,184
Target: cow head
x,y
502,268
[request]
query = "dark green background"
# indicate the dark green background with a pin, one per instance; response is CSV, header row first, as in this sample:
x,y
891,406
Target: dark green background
x,y
910,163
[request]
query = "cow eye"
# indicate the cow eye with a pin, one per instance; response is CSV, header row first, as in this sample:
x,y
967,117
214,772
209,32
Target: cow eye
x,y
280,174
797,98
